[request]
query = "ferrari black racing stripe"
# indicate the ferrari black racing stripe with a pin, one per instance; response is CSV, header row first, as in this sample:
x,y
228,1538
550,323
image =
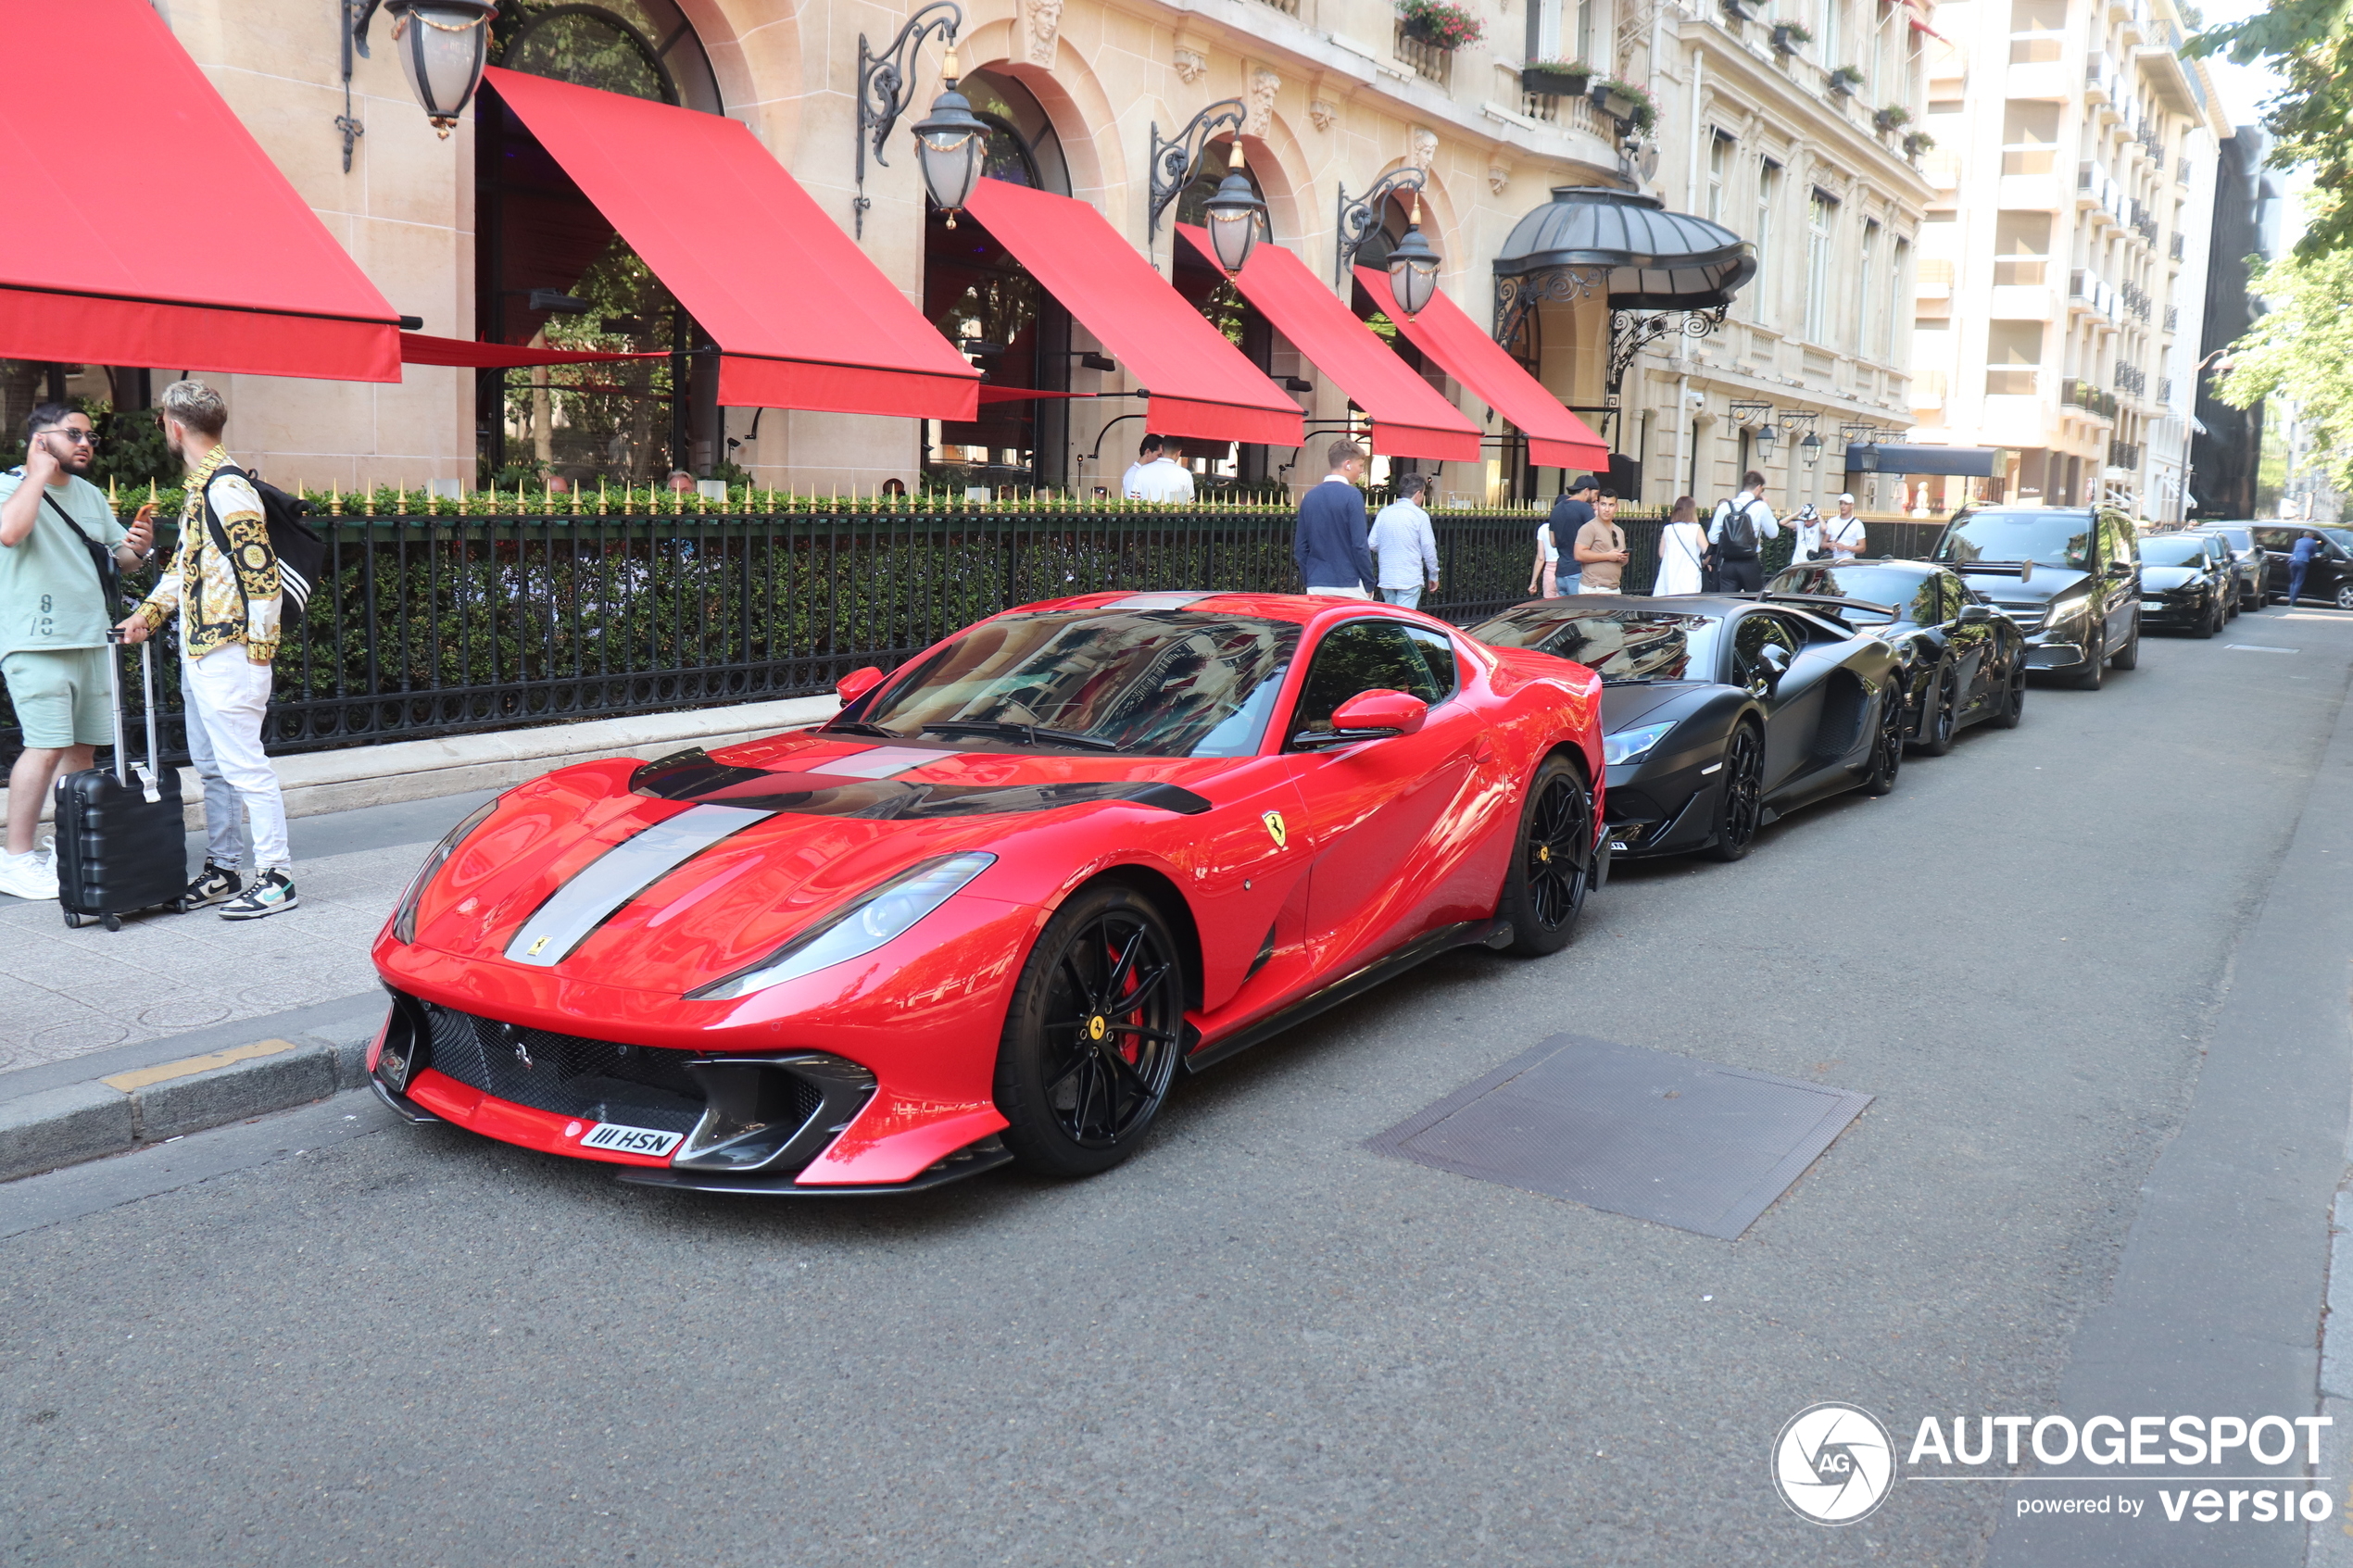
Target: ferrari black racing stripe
x,y
620,875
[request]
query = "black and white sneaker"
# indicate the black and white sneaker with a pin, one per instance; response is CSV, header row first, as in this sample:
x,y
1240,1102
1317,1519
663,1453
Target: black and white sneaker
x,y
214,885
272,893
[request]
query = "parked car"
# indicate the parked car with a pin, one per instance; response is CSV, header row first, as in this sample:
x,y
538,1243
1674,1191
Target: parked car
x,y
2329,578
2069,576
2254,567
1963,661
1721,714
986,912
2188,583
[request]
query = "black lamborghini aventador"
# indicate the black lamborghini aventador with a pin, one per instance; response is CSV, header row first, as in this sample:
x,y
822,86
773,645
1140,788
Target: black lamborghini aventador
x,y
1964,661
1721,714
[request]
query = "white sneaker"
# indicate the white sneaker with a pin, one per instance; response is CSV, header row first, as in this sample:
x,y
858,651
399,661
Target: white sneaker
x,y
27,876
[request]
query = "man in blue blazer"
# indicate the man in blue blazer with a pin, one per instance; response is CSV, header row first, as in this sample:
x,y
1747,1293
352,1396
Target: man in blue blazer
x,y
1329,547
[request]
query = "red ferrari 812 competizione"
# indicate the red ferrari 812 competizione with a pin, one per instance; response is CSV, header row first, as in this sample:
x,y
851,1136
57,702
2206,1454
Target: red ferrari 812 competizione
x,y
986,912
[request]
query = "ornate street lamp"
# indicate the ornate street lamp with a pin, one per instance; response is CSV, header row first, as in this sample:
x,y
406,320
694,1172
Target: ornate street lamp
x,y
1360,217
886,86
1412,267
443,46
1234,215
952,146
1810,448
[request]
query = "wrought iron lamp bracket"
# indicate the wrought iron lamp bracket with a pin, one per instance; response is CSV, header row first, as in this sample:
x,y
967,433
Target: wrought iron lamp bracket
x,y
356,16
1174,163
887,84
1630,331
1514,297
1360,217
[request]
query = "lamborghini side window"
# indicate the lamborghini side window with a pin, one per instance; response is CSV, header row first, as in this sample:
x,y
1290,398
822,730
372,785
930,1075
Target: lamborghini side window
x,y
1927,610
1365,655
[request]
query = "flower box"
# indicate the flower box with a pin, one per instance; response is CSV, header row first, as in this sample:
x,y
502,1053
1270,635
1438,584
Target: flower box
x,y
1625,103
1846,81
1891,118
1556,81
1438,24
1744,10
1789,37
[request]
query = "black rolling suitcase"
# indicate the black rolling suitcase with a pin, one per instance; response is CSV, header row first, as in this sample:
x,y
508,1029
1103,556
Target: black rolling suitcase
x,y
120,845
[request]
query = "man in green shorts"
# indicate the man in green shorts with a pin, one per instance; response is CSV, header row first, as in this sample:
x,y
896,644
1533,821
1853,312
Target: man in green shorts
x,y
53,623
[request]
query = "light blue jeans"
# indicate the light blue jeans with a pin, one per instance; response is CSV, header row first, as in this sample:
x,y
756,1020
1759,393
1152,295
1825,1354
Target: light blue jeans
x,y
1410,597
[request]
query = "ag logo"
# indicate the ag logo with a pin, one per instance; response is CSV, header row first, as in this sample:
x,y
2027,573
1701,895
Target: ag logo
x,y
1835,1463
1274,829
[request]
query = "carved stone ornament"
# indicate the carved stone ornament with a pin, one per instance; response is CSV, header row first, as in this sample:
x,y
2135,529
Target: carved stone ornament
x,y
1498,176
1041,19
1192,66
1425,144
1323,113
1263,86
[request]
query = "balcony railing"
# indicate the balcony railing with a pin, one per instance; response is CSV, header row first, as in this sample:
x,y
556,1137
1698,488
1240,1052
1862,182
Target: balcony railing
x,y
2130,378
2082,395
1429,62
2175,247
2124,454
2172,317
2092,290
2165,391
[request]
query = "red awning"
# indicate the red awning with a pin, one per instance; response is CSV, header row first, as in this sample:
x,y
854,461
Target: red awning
x,y
802,318
416,348
1200,384
1409,419
1556,438
110,256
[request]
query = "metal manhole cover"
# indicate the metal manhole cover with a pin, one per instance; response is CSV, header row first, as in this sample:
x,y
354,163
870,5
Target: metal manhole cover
x,y
1641,1133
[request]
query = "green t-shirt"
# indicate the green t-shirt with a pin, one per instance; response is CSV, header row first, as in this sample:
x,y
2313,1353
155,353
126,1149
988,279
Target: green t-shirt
x,y
49,595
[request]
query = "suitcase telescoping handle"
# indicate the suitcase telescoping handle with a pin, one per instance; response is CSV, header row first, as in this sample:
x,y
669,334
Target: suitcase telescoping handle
x,y
147,697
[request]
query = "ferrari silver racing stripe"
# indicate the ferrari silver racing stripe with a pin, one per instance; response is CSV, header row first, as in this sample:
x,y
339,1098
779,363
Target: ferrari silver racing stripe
x,y
879,762
620,875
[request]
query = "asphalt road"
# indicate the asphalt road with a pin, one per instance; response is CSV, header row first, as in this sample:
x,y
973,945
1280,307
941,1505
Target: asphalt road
x,y
1256,1342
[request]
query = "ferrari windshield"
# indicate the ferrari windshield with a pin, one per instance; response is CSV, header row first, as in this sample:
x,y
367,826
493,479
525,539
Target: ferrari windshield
x,y
2173,549
2035,534
1150,683
1616,644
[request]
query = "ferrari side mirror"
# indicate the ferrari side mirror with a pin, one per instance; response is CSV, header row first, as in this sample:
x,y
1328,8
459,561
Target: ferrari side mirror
x,y
1380,712
857,683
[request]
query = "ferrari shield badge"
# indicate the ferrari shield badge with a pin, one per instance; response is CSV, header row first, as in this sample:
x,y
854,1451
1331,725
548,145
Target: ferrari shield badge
x,y
1274,829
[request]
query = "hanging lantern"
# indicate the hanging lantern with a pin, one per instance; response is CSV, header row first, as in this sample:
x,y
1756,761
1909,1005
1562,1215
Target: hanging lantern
x,y
1412,267
1810,448
952,146
442,46
1235,213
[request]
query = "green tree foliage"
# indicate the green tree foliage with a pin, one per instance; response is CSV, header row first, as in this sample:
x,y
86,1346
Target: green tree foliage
x,y
2302,350
2312,42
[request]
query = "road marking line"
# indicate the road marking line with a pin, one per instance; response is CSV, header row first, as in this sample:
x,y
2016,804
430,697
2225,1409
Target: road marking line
x,y
2257,647
189,1067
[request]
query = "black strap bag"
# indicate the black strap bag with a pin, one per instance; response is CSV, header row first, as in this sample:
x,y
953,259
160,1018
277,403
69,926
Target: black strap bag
x,y
1737,539
302,554
110,574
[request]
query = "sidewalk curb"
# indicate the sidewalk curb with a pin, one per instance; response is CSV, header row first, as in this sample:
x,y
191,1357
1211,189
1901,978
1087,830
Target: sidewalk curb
x,y
152,1100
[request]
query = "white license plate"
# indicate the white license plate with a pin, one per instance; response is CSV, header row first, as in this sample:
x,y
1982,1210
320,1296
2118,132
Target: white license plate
x,y
648,1141
2152,604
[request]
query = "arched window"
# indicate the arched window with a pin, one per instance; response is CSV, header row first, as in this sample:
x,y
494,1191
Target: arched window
x,y
550,270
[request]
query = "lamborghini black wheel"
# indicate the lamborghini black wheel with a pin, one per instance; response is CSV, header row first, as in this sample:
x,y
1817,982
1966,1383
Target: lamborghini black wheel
x,y
1093,1034
1943,710
1739,801
1887,749
1553,864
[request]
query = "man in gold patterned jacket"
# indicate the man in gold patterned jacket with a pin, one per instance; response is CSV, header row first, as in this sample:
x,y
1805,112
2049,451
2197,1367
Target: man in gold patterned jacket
x,y
223,584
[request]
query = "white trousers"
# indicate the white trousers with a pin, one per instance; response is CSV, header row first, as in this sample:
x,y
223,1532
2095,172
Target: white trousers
x,y
224,695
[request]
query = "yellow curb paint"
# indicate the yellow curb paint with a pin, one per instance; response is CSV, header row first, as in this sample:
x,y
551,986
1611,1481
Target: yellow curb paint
x,y
189,1067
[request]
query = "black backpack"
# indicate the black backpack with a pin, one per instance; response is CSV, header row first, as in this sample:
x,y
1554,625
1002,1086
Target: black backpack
x,y
1737,539
302,554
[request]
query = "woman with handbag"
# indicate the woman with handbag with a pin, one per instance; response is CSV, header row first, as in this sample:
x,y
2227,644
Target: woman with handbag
x,y
1681,548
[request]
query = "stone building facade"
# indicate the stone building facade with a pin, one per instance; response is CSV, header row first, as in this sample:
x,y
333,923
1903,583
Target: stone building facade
x,y
469,235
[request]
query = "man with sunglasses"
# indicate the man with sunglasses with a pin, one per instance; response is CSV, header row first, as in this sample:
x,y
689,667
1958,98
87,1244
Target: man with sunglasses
x,y
53,622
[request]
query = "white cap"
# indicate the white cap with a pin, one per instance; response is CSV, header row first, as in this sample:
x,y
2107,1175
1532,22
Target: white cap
x,y
1848,500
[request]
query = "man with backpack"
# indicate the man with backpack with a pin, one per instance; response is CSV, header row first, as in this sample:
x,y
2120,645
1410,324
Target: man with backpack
x,y
1736,537
59,541
223,582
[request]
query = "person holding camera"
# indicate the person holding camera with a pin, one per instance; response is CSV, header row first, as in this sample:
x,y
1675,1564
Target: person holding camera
x,y
60,545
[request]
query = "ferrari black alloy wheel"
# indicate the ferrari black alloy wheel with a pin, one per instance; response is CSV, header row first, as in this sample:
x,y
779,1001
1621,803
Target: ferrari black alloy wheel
x,y
1739,798
1943,711
1887,747
1552,865
2013,707
1093,1034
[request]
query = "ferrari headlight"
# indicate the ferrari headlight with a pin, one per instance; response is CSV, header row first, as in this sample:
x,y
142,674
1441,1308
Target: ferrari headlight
x,y
855,929
1632,746
404,915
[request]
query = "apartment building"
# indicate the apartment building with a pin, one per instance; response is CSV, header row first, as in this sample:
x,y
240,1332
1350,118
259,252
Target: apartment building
x,y
2062,273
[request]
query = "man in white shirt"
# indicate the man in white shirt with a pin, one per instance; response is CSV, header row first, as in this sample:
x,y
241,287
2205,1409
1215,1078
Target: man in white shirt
x,y
1844,533
1806,523
1156,476
1750,522
1405,545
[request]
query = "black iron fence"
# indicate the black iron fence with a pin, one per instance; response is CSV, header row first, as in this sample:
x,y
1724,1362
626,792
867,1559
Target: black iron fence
x,y
429,625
